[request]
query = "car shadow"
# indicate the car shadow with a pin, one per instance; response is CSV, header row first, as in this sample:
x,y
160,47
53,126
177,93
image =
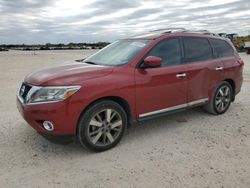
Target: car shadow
x,y
162,124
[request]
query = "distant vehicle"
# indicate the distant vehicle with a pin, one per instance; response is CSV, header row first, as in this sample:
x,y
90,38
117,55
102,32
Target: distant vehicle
x,y
132,80
247,47
230,36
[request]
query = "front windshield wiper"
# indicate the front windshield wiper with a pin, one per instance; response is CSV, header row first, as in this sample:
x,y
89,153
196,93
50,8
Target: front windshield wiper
x,y
80,60
90,62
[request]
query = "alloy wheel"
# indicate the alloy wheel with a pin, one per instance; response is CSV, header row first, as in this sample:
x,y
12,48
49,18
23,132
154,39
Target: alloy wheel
x,y
105,127
222,98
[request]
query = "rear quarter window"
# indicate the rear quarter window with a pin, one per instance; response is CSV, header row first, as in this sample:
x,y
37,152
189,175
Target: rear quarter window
x,y
221,48
196,49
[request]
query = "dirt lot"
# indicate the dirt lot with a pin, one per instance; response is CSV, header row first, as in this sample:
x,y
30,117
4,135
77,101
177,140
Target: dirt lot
x,y
188,149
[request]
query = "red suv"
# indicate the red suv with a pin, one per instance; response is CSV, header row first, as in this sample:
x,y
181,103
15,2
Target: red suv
x,y
131,80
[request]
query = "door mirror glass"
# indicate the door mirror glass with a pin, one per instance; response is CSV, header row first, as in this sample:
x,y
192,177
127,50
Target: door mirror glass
x,y
151,62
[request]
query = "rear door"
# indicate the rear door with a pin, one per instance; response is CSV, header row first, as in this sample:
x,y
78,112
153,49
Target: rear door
x,y
164,88
203,70
232,68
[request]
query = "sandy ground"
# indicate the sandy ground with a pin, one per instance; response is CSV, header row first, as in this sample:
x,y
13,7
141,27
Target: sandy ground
x,y
188,149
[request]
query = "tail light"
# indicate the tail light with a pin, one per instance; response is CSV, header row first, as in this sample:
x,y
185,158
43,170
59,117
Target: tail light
x,y
241,62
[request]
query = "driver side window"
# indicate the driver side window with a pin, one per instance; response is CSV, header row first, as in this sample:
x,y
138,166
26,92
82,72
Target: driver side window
x,y
169,50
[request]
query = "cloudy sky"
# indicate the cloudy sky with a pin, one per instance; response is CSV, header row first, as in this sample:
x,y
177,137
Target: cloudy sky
x,y
42,21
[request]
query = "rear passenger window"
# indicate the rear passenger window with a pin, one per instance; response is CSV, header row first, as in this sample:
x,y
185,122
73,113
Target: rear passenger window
x,y
169,50
221,48
196,49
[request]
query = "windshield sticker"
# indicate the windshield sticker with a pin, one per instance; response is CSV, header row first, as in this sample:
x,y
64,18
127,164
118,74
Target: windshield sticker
x,y
138,44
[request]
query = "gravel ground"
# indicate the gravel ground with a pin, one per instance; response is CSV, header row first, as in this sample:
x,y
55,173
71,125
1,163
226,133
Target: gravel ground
x,y
188,149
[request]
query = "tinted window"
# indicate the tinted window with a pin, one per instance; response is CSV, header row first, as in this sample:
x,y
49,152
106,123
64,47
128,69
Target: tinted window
x,y
169,51
222,48
196,49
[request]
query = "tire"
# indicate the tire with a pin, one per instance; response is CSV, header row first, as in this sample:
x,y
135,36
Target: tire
x,y
221,99
102,126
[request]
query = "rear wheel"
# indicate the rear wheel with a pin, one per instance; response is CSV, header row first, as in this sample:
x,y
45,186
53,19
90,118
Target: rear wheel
x,y
221,99
102,125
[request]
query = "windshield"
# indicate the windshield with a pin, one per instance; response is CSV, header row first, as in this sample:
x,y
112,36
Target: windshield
x,y
118,53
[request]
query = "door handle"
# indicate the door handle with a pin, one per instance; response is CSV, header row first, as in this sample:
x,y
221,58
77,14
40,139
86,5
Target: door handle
x,y
219,68
181,75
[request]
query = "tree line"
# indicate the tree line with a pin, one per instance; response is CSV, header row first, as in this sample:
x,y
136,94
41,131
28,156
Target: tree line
x,y
50,46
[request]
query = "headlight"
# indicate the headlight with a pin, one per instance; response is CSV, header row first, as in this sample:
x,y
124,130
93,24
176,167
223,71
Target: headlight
x,y
52,94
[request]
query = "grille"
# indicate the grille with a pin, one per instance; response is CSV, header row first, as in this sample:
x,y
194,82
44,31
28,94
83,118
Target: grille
x,y
24,90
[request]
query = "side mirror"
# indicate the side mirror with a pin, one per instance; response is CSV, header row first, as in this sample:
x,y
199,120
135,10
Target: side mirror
x,y
151,62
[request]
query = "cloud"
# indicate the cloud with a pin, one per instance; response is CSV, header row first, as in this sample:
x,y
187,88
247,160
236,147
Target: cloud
x,y
41,21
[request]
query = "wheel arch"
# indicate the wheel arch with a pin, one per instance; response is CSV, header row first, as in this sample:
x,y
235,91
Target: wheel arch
x,y
121,101
232,83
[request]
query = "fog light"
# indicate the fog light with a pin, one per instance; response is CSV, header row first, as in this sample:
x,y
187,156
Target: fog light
x,y
48,125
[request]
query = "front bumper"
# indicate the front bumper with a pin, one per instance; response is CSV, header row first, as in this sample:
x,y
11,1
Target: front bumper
x,y
60,114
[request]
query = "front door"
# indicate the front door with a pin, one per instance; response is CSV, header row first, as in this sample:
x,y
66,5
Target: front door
x,y
164,88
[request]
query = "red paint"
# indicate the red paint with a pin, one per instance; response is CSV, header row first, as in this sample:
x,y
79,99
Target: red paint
x,y
159,88
144,90
152,62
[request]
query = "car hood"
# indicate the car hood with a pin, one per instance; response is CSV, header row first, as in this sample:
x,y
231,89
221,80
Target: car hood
x,y
67,74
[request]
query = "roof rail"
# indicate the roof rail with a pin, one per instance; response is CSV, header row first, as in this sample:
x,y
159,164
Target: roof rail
x,y
182,30
158,32
168,30
205,32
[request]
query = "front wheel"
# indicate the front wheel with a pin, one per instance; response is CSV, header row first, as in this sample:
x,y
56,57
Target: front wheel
x,y
221,99
102,126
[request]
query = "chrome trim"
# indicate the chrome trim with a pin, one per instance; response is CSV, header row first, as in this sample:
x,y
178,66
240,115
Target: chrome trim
x,y
197,102
163,110
48,102
31,92
174,107
20,99
18,89
181,75
219,68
